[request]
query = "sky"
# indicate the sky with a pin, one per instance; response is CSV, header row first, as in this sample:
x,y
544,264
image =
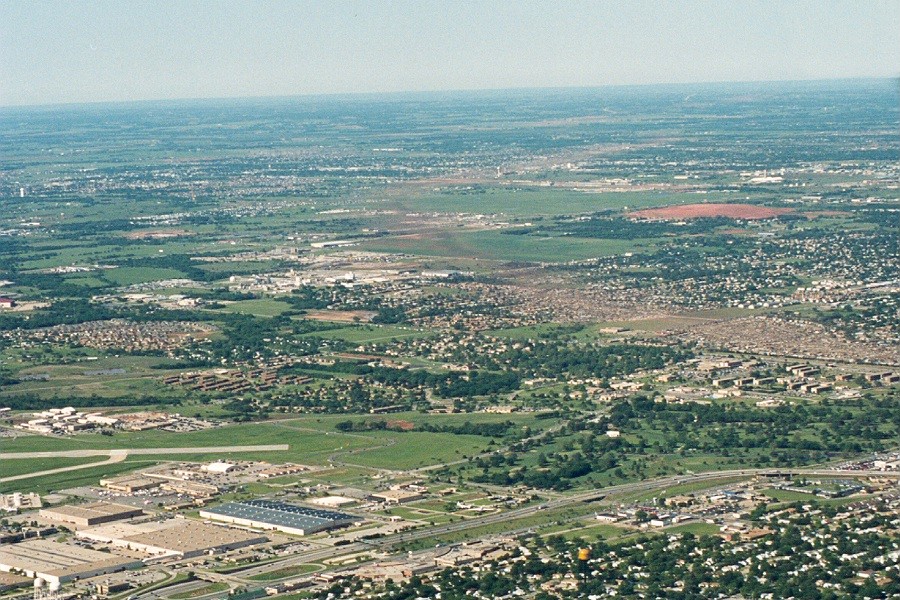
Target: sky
x,y
65,51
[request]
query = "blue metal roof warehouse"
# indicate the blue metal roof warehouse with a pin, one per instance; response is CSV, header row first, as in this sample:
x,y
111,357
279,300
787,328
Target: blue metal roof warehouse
x,y
281,516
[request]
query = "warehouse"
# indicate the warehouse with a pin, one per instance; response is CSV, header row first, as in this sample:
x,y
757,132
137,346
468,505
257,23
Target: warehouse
x,y
95,513
280,516
396,496
129,484
174,538
57,563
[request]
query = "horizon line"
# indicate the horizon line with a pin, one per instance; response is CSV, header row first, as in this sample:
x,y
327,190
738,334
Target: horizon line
x,y
335,95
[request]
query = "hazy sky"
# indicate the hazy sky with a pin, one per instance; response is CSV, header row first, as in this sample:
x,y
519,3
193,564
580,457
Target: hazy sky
x,y
74,51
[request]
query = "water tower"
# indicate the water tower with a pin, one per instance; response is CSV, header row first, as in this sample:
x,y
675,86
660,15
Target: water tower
x,y
45,591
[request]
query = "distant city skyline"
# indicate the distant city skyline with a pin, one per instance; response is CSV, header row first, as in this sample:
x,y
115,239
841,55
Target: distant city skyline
x,y
71,52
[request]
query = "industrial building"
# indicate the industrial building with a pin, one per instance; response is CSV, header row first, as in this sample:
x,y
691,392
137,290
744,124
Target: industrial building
x,y
129,484
400,496
280,516
57,563
174,538
94,513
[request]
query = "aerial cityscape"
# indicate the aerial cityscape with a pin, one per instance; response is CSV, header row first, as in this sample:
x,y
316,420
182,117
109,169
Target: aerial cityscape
x,y
587,341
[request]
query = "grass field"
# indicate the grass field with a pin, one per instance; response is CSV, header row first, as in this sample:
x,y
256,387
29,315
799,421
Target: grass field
x,y
258,308
12,467
412,450
694,528
363,334
535,521
132,275
312,440
593,532
81,477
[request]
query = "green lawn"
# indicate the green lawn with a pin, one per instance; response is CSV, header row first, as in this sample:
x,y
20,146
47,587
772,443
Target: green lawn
x,y
81,477
362,334
264,307
419,449
695,528
13,467
132,275
601,531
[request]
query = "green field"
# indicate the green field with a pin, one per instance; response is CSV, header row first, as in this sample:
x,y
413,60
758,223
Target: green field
x,y
13,467
60,481
258,308
131,275
312,441
363,334
694,528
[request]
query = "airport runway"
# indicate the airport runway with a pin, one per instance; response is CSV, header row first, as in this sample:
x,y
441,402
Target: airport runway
x,y
119,454
109,451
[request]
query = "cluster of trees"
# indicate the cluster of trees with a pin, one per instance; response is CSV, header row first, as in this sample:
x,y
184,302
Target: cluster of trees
x,y
389,315
491,430
867,424
782,436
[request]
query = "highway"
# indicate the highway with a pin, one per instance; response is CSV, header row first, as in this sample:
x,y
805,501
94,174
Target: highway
x,y
662,483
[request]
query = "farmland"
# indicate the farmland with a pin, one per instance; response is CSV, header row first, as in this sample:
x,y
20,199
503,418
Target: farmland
x,y
612,319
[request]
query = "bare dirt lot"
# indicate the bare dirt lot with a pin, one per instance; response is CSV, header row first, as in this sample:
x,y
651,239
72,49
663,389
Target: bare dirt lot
x,y
341,316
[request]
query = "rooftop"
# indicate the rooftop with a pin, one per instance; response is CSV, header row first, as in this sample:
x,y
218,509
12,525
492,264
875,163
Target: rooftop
x,y
281,514
56,559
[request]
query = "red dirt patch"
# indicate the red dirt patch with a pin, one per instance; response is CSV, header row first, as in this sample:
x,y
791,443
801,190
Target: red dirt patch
x,y
401,425
696,211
